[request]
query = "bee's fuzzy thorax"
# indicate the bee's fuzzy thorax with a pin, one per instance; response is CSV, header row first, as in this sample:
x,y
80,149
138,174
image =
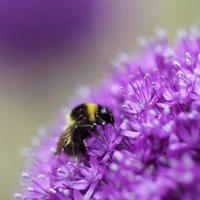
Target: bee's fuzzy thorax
x,y
92,109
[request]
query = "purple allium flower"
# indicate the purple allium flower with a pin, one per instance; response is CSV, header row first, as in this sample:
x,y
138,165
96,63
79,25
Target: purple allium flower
x,y
155,152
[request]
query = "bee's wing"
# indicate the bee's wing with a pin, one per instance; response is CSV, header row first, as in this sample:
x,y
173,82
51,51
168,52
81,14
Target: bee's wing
x,y
65,138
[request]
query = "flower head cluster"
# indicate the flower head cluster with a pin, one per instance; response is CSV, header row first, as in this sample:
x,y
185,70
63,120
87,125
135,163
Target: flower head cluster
x,y
154,152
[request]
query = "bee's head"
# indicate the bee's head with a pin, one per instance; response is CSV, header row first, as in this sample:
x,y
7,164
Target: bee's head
x,y
106,115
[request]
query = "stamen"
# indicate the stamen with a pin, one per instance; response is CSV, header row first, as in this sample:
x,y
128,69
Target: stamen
x,y
188,61
176,63
188,56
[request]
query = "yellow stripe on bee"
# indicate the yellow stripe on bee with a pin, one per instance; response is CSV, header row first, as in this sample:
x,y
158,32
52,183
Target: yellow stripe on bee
x,y
69,121
91,108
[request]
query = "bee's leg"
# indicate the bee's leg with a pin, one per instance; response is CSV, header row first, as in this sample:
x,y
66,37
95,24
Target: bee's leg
x,y
90,127
100,121
93,129
73,150
104,129
75,155
86,126
77,161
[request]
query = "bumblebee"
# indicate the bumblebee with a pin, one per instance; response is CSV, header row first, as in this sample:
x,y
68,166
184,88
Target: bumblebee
x,y
82,121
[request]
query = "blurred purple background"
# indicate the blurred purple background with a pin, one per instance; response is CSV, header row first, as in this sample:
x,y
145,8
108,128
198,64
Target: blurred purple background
x,y
49,48
30,29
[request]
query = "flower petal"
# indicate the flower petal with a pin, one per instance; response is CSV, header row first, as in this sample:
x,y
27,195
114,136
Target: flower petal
x,y
131,134
79,185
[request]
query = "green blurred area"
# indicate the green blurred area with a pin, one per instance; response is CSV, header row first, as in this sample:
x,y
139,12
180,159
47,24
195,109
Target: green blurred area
x,y
33,96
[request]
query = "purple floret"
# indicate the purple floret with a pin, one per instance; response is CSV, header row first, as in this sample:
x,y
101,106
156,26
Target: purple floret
x,y
155,152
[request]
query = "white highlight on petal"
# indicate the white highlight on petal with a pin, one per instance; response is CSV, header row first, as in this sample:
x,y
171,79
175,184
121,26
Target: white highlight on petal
x,y
158,48
30,189
25,175
131,134
35,141
188,162
52,191
124,106
161,32
188,177
188,61
179,73
176,63
173,138
118,155
123,57
148,125
199,57
53,149
41,176
150,169
120,62
114,167
168,52
197,71
130,94
166,110
66,192
25,151
182,84
188,56
174,163
152,112
146,76
155,70
136,116
17,195
42,130
128,162
156,122
142,41
181,34
60,189
153,84
163,159
142,106
59,170
167,128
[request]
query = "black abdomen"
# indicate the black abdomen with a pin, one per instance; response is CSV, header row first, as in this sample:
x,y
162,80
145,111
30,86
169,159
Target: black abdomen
x,y
77,146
